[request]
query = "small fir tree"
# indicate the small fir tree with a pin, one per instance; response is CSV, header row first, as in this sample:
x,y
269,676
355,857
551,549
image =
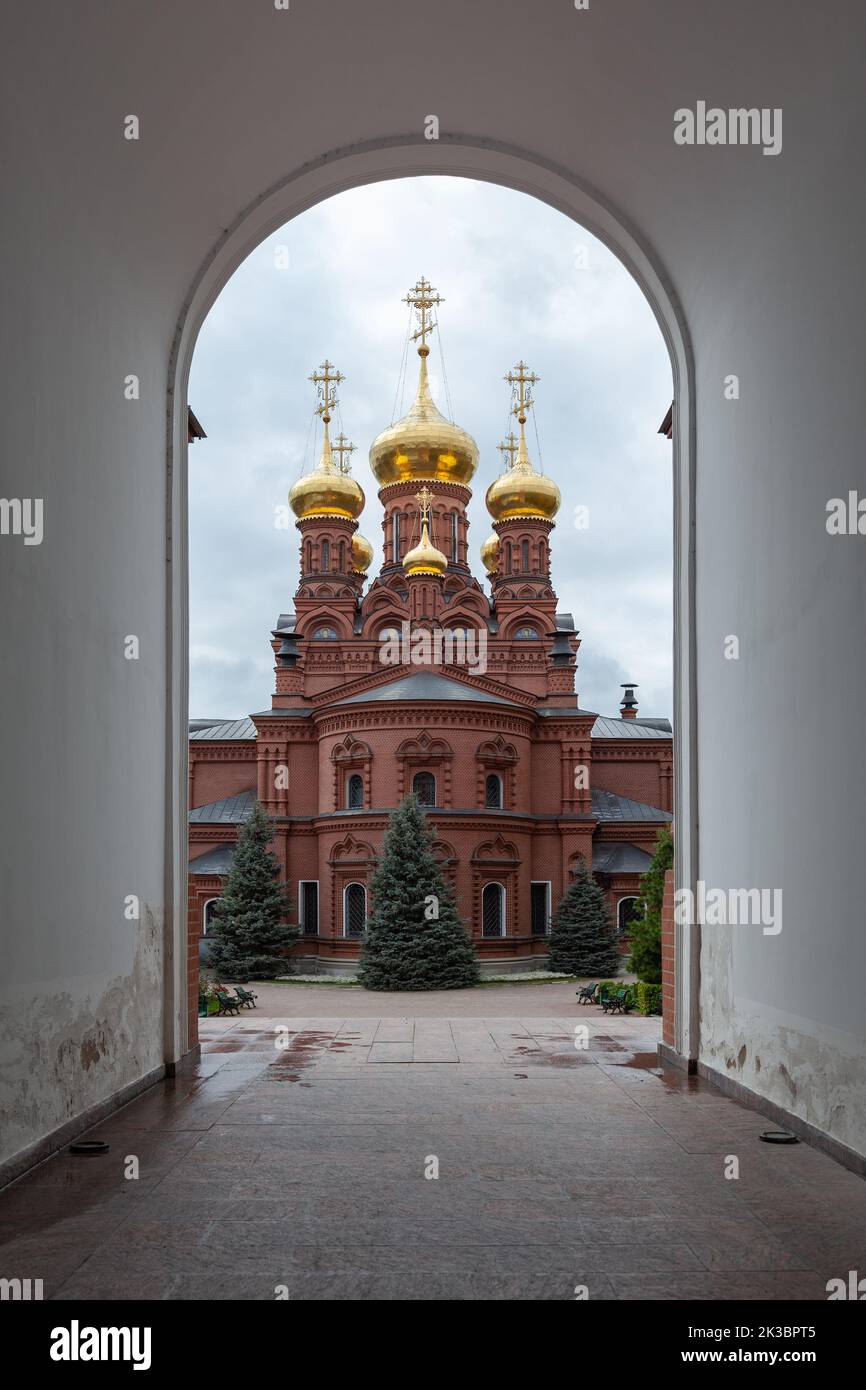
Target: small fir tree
x,y
646,924
582,937
414,938
250,931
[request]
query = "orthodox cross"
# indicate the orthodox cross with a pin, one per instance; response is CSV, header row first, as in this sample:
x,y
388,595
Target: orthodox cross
x,y
423,297
327,379
509,446
521,380
424,498
341,447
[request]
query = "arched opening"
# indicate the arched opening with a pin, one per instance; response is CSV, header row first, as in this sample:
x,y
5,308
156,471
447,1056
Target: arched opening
x,y
354,910
424,787
355,792
515,170
493,910
493,797
625,915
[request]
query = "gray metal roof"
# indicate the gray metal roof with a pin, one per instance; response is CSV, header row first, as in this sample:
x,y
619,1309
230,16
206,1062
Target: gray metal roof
x,y
426,686
611,806
230,811
293,712
630,728
620,859
564,622
215,861
232,728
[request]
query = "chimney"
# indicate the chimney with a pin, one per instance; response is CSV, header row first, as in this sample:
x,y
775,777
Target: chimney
x,y
628,703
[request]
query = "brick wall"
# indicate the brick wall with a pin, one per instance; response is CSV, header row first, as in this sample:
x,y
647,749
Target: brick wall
x,y
668,964
192,967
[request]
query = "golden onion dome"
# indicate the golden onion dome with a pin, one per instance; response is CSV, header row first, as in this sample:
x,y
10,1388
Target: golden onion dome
x,y
423,446
521,491
425,558
490,553
326,491
362,553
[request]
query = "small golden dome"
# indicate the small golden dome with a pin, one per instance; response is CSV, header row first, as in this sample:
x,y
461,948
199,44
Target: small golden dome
x,y
521,491
425,558
326,491
490,553
362,553
423,446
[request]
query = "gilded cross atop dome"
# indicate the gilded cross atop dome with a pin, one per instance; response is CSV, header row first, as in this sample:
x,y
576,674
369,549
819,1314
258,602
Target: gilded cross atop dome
x,y
343,447
509,446
424,498
327,379
425,558
329,490
423,446
521,380
521,491
423,298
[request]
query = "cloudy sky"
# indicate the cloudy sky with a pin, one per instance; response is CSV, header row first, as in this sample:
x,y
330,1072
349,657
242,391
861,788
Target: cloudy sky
x,y
519,280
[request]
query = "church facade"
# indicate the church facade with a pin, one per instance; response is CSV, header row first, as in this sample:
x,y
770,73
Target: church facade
x,y
420,680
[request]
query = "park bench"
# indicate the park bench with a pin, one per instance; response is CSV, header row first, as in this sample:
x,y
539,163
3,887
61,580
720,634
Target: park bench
x,y
586,993
246,996
618,1003
228,1004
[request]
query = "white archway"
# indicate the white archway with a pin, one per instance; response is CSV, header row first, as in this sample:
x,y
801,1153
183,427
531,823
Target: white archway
x,y
489,162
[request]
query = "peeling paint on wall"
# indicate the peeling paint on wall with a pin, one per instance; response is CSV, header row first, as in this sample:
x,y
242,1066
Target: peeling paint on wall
x,y
63,1055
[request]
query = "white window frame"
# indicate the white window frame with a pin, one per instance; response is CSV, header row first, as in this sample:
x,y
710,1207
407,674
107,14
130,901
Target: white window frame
x,y
548,911
356,883
204,907
302,923
503,902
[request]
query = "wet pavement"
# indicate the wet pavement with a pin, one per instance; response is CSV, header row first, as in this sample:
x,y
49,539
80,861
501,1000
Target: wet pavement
x,y
434,1157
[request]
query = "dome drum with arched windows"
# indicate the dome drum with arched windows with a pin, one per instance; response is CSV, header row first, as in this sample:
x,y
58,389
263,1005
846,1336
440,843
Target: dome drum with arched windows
x,y
424,446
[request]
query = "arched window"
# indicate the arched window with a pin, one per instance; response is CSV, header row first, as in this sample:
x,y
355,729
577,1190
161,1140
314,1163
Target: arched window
x,y
493,910
508,557
342,564
524,553
625,915
424,787
395,538
355,792
308,556
326,556
493,792
208,917
354,910
542,556
454,537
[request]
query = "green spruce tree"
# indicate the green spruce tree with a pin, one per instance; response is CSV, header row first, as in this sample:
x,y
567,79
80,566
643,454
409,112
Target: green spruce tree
x,y
582,937
414,938
646,923
250,931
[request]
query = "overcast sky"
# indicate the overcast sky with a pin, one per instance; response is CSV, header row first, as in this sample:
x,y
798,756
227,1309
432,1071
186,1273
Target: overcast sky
x,y
519,280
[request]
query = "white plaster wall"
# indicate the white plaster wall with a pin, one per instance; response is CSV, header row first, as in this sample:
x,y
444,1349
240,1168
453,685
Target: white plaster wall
x,y
99,249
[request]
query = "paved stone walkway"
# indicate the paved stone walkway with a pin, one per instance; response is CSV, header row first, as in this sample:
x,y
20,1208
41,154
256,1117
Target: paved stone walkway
x,y
296,1154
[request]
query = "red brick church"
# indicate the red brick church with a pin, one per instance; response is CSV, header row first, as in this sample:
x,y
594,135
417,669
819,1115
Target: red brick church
x,y
426,683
